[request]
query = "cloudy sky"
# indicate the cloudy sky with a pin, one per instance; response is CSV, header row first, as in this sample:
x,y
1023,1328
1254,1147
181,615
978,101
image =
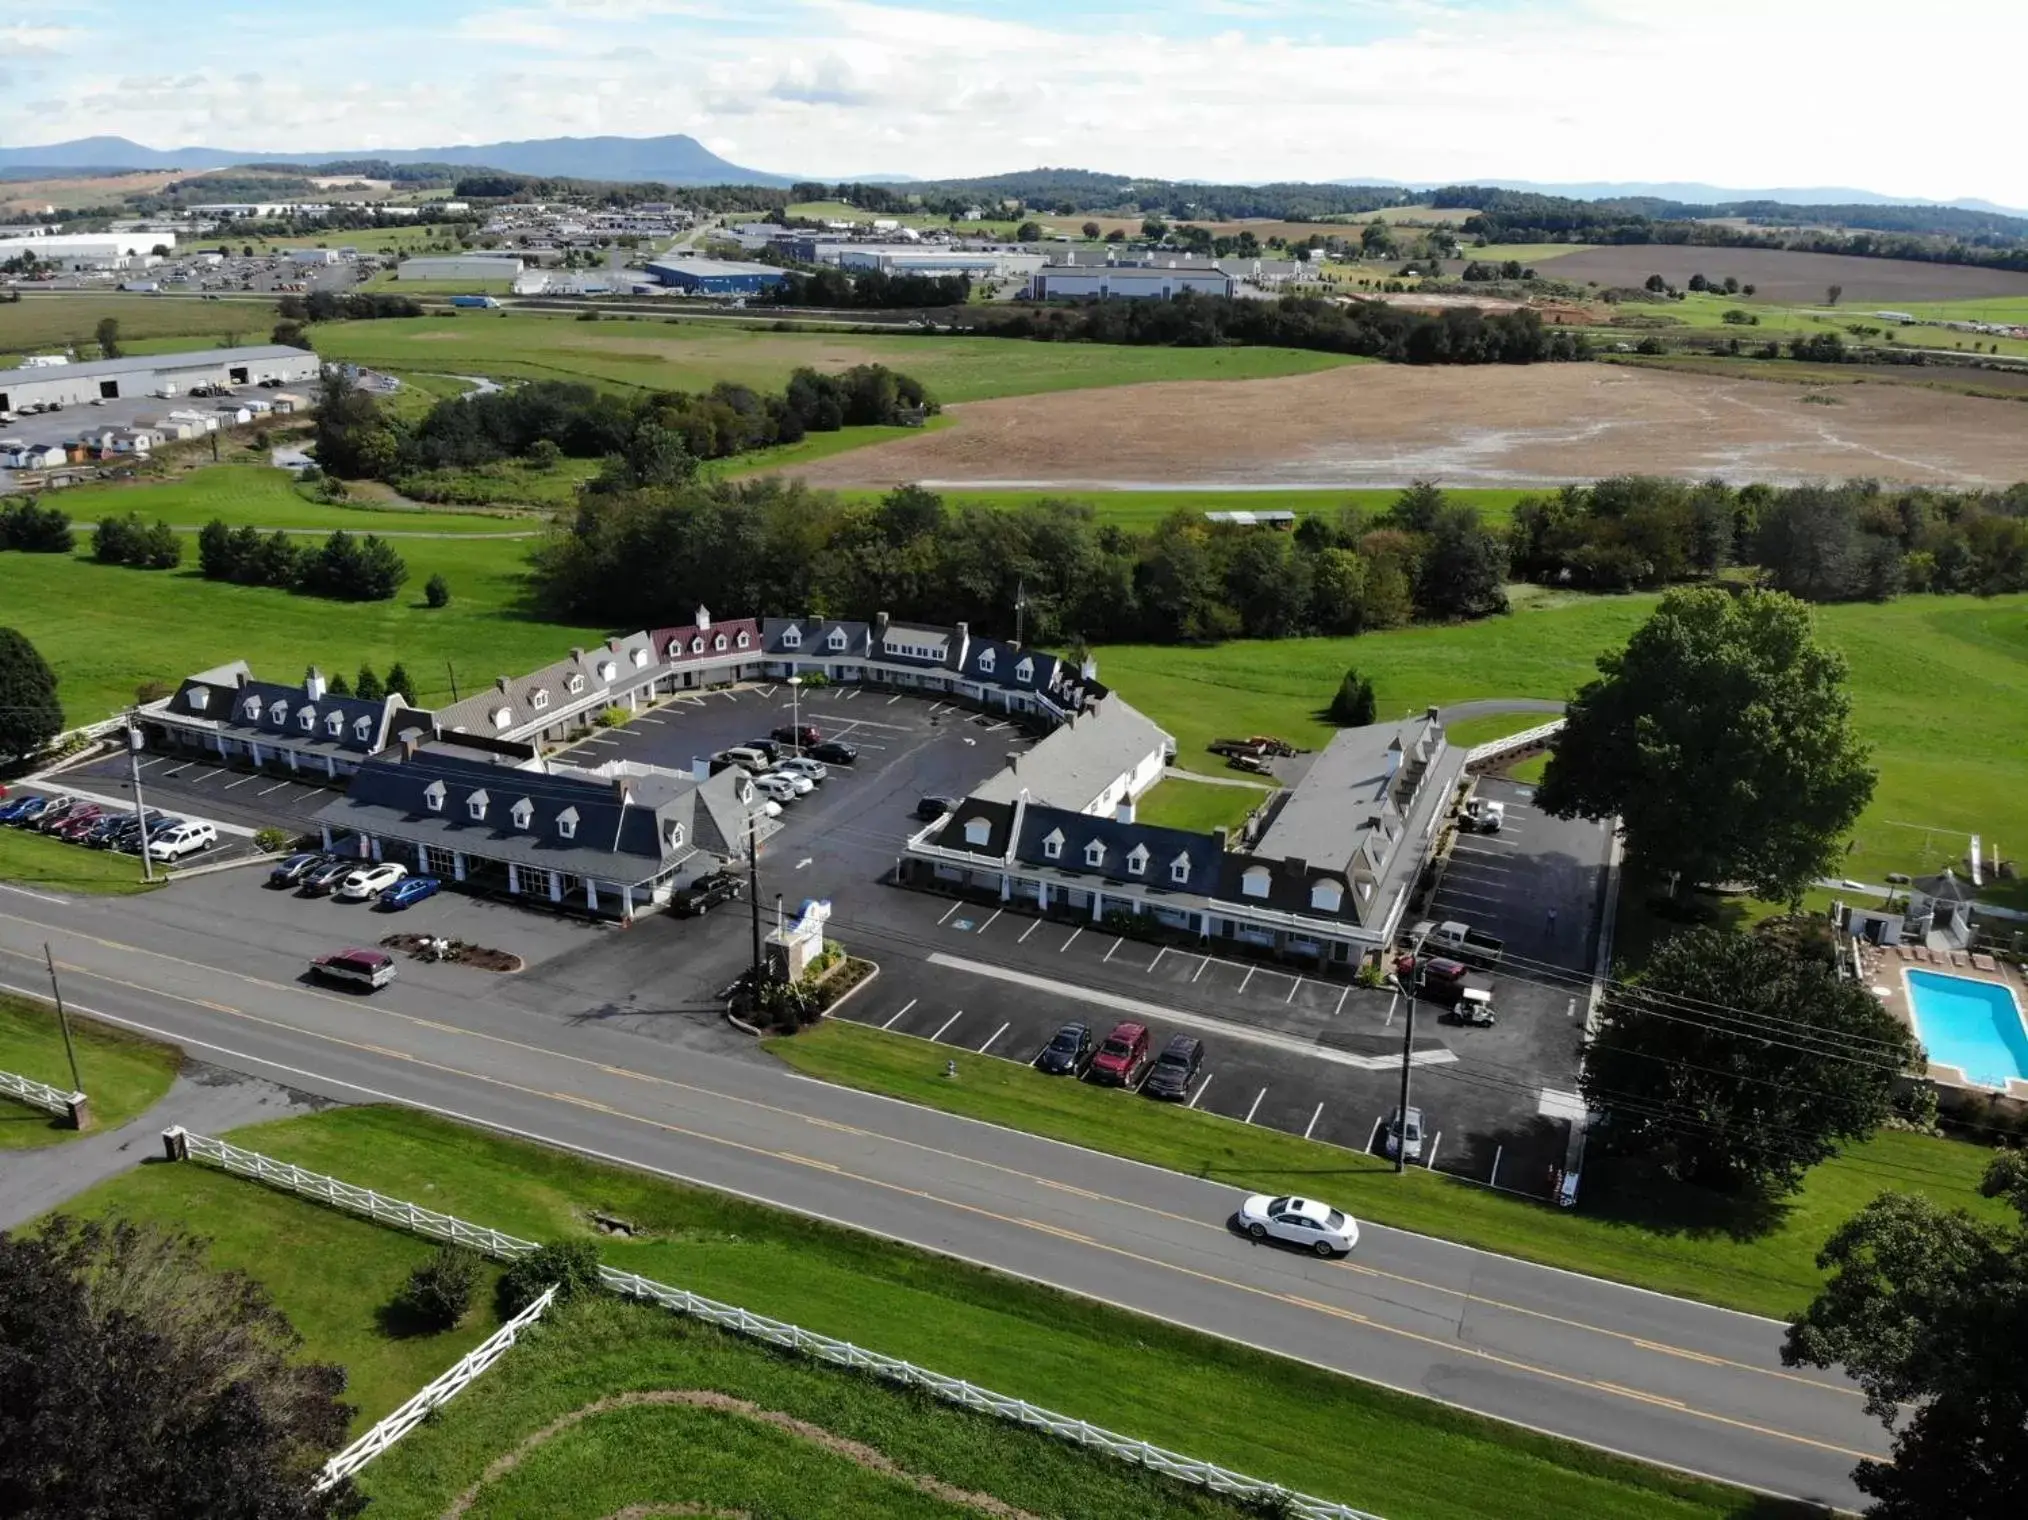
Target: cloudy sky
x,y
1870,93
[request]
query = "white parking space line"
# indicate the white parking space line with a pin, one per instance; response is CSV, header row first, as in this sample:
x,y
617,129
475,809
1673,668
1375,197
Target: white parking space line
x,y
894,699
275,788
1109,954
1341,1002
1373,1138
151,760
1201,964
1307,1128
1294,987
1430,1164
853,693
1028,931
602,741
989,922
936,707
948,912
644,718
1201,1086
1255,1108
1158,957
241,782
767,691
1247,978
903,1009
946,1025
1071,941
1450,891
994,1036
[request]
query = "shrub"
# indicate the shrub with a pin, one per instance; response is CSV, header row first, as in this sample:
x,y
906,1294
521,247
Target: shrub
x,y
270,841
153,691
437,593
1353,706
572,1265
613,717
35,529
438,1292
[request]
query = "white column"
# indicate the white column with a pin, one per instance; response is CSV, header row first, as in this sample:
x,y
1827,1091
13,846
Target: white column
x,y
457,866
1097,898
513,877
556,886
627,903
369,847
1042,896
1006,886
327,836
330,768
292,758
374,844
591,894
253,748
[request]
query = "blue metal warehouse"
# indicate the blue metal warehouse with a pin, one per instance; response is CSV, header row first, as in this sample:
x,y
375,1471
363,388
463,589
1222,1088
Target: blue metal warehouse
x,y
716,277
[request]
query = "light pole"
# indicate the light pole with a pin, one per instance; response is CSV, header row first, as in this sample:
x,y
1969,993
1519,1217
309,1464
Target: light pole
x,y
796,711
140,807
1407,987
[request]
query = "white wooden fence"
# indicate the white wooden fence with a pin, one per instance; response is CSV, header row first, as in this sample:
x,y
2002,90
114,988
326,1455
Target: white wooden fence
x,y
1494,748
181,1144
38,1094
431,1398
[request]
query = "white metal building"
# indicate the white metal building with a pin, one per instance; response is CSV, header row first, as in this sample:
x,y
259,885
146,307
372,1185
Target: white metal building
x,y
460,266
153,375
1054,282
87,249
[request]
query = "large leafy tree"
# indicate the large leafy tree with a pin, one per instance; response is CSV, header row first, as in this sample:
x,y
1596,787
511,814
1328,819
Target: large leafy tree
x,y
1721,737
1927,1308
134,1380
30,715
1735,1062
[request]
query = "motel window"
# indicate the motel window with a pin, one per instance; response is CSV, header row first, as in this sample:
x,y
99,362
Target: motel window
x,y
986,662
1326,896
744,640
363,729
1254,883
697,645
522,811
476,805
539,701
718,644
566,823
607,670
575,683
837,639
1025,671
307,716
1179,869
1137,861
502,718
334,725
792,638
639,656
675,836
1052,847
279,713
253,709
1095,853
433,796
198,698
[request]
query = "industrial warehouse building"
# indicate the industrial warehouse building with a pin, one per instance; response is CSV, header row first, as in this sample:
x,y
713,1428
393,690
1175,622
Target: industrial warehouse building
x,y
1059,282
715,277
152,375
460,266
88,250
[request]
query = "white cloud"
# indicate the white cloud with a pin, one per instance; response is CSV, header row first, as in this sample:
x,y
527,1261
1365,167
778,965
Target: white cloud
x,y
20,38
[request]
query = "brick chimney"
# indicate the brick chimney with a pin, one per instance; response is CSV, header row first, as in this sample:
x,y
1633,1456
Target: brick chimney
x,y
313,684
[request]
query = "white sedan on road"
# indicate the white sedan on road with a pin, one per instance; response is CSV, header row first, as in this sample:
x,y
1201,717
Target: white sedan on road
x,y
371,881
1299,1222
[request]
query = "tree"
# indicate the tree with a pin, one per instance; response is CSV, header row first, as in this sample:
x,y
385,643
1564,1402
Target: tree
x,y
1699,283
1736,1062
181,1385
1721,737
1656,284
1464,568
1927,1307
439,1291
109,337
437,591
571,1265
35,528
30,715
1353,706
398,680
1028,232
1732,285
544,454
1746,290
1154,229
1091,232
368,687
338,686
1831,295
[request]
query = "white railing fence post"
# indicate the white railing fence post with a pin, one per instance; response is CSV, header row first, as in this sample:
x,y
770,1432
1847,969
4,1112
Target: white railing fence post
x,y
53,1100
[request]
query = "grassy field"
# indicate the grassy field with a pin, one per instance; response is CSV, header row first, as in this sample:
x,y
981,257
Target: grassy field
x,y
121,1073
1912,660
1471,732
1175,803
253,495
47,323
1144,509
669,354
1409,1459
48,865
1527,253
1703,315
1674,1244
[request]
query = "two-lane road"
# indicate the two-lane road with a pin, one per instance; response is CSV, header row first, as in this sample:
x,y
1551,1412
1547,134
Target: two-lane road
x,y
1651,1376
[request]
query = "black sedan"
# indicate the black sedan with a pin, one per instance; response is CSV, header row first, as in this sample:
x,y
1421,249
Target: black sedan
x,y
834,752
1068,1053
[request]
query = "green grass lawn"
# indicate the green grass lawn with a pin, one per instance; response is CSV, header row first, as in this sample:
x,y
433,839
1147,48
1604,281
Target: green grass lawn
x,y
670,354
46,323
1939,690
1469,733
1144,509
121,1073
1773,1273
252,494
1176,803
1275,1419
49,865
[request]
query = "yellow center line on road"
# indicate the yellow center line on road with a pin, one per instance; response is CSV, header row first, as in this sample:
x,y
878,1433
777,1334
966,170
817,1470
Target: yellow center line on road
x,y
674,1084
1448,1347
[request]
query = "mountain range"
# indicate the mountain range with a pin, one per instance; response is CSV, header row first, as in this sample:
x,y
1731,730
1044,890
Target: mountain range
x,y
678,159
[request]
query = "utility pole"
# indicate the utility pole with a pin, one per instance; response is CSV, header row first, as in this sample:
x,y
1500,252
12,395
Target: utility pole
x,y
753,892
140,807
1407,987
63,1020
454,679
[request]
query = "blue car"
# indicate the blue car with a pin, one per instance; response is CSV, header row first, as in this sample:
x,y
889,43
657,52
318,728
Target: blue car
x,y
16,807
409,890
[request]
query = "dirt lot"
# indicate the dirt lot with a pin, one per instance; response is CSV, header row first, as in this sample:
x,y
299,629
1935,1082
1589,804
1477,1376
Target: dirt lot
x,y
82,190
1778,275
1387,424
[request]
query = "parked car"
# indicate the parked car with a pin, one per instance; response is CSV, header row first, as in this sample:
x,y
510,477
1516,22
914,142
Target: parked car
x,y
798,765
409,891
324,879
775,787
1300,1222
797,738
706,893
766,748
100,835
366,969
78,823
1175,1069
835,752
290,872
766,807
930,809
27,810
1068,1052
183,839
799,784
1123,1056
51,813
53,818
370,880
13,806
1405,1139
1483,816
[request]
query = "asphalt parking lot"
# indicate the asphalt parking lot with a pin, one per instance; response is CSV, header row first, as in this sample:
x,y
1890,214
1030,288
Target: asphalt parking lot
x,y
233,797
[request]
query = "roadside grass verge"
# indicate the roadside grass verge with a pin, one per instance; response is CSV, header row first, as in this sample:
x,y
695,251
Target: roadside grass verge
x,y
1280,1420
1178,803
41,864
123,1074
1676,1241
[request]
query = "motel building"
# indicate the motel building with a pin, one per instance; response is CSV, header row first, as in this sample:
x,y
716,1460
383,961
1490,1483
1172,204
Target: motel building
x,y
300,730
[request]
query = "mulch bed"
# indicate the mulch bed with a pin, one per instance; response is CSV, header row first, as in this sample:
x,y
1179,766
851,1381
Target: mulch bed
x,y
476,956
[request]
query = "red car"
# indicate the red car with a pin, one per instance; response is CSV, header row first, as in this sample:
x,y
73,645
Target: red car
x,y
1123,1056
801,738
78,822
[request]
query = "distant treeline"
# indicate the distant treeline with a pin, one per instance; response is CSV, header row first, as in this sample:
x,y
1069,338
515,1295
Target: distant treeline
x,y
1457,335
629,557
651,440
498,184
870,290
1857,541
1064,192
342,567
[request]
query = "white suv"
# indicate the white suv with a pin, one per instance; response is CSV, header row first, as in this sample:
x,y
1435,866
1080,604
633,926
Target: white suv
x,y
184,839
371,881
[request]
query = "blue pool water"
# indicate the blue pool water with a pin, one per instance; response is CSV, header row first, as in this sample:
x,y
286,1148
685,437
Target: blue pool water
x,y
1973,1026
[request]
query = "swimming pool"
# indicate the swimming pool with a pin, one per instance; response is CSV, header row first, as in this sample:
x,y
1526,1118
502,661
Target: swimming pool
x,y
1974,1026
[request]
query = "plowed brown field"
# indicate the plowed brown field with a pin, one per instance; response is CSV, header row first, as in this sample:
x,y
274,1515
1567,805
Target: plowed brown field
x,y
1376,424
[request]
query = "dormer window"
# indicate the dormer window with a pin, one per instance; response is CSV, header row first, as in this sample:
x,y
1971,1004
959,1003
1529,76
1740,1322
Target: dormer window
x,y
1179,869
433,796
1137,860
476,805
198,698
639,655
1254,881
575,684
1095,853
1326,895
1052,845
1025,671
978,830
307,716
792,637
744,639
607,670
279,712
521,812
697,645
675,836
985,662
566,823
539,701
718,644
253,709
837,639
334,725
363,729
502,718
